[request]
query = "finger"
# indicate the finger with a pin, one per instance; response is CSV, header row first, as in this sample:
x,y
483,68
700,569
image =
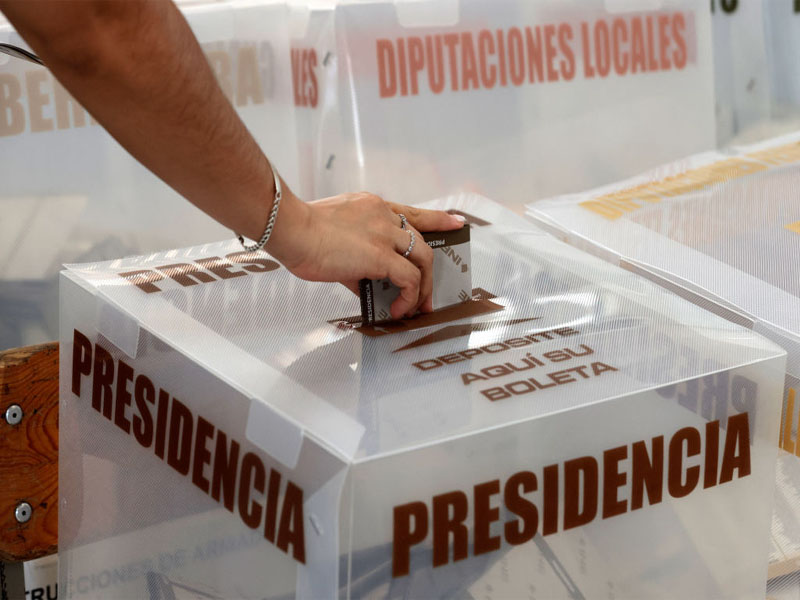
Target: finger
x,y
428,220
352,286
406,277
422,257
427,305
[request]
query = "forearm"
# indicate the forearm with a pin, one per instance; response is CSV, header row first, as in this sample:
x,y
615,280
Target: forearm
x,y
137,68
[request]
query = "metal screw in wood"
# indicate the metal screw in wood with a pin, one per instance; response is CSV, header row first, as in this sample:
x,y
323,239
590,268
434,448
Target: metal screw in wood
x,y
23,512
14,414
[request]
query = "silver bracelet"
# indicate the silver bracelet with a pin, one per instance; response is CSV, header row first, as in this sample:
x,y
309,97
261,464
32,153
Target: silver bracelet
x,y
273,214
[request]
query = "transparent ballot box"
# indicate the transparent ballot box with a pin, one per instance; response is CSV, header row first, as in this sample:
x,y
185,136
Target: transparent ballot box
x,y
723,230
572,431
510,99
70,193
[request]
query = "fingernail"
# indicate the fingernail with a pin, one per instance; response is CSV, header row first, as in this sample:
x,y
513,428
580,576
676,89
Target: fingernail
x,y
460,218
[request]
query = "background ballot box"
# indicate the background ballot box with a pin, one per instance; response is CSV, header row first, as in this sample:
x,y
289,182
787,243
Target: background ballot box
x,y
67,182
513,99
723,231
573,431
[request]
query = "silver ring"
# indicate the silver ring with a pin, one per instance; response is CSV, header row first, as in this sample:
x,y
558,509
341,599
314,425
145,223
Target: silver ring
x,y
403,220
411,245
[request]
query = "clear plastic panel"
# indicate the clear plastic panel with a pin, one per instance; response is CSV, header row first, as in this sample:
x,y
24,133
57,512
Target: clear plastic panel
x,y
558,356
71,193
314,77
721,229
514,100
782,25
742,78
140,519
708,544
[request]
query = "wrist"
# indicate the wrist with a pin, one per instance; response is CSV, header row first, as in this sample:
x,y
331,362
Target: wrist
x,y
291,227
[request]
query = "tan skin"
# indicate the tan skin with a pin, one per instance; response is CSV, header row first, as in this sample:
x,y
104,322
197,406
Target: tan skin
x,y
138,69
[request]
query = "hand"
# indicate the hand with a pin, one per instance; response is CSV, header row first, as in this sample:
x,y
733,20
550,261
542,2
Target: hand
x,y
350,237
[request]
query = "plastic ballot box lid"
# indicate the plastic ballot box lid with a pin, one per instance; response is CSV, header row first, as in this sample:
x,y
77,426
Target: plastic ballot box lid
x,y
207,394
723,225
721,229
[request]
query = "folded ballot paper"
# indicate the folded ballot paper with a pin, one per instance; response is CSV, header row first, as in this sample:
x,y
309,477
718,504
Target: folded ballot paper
x,y
452,278
722,230
230,429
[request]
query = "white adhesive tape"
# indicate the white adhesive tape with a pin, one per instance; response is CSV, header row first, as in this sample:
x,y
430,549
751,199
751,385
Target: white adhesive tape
x,y
117,326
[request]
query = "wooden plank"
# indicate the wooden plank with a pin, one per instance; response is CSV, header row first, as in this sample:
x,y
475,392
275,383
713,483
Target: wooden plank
x,y
29,451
